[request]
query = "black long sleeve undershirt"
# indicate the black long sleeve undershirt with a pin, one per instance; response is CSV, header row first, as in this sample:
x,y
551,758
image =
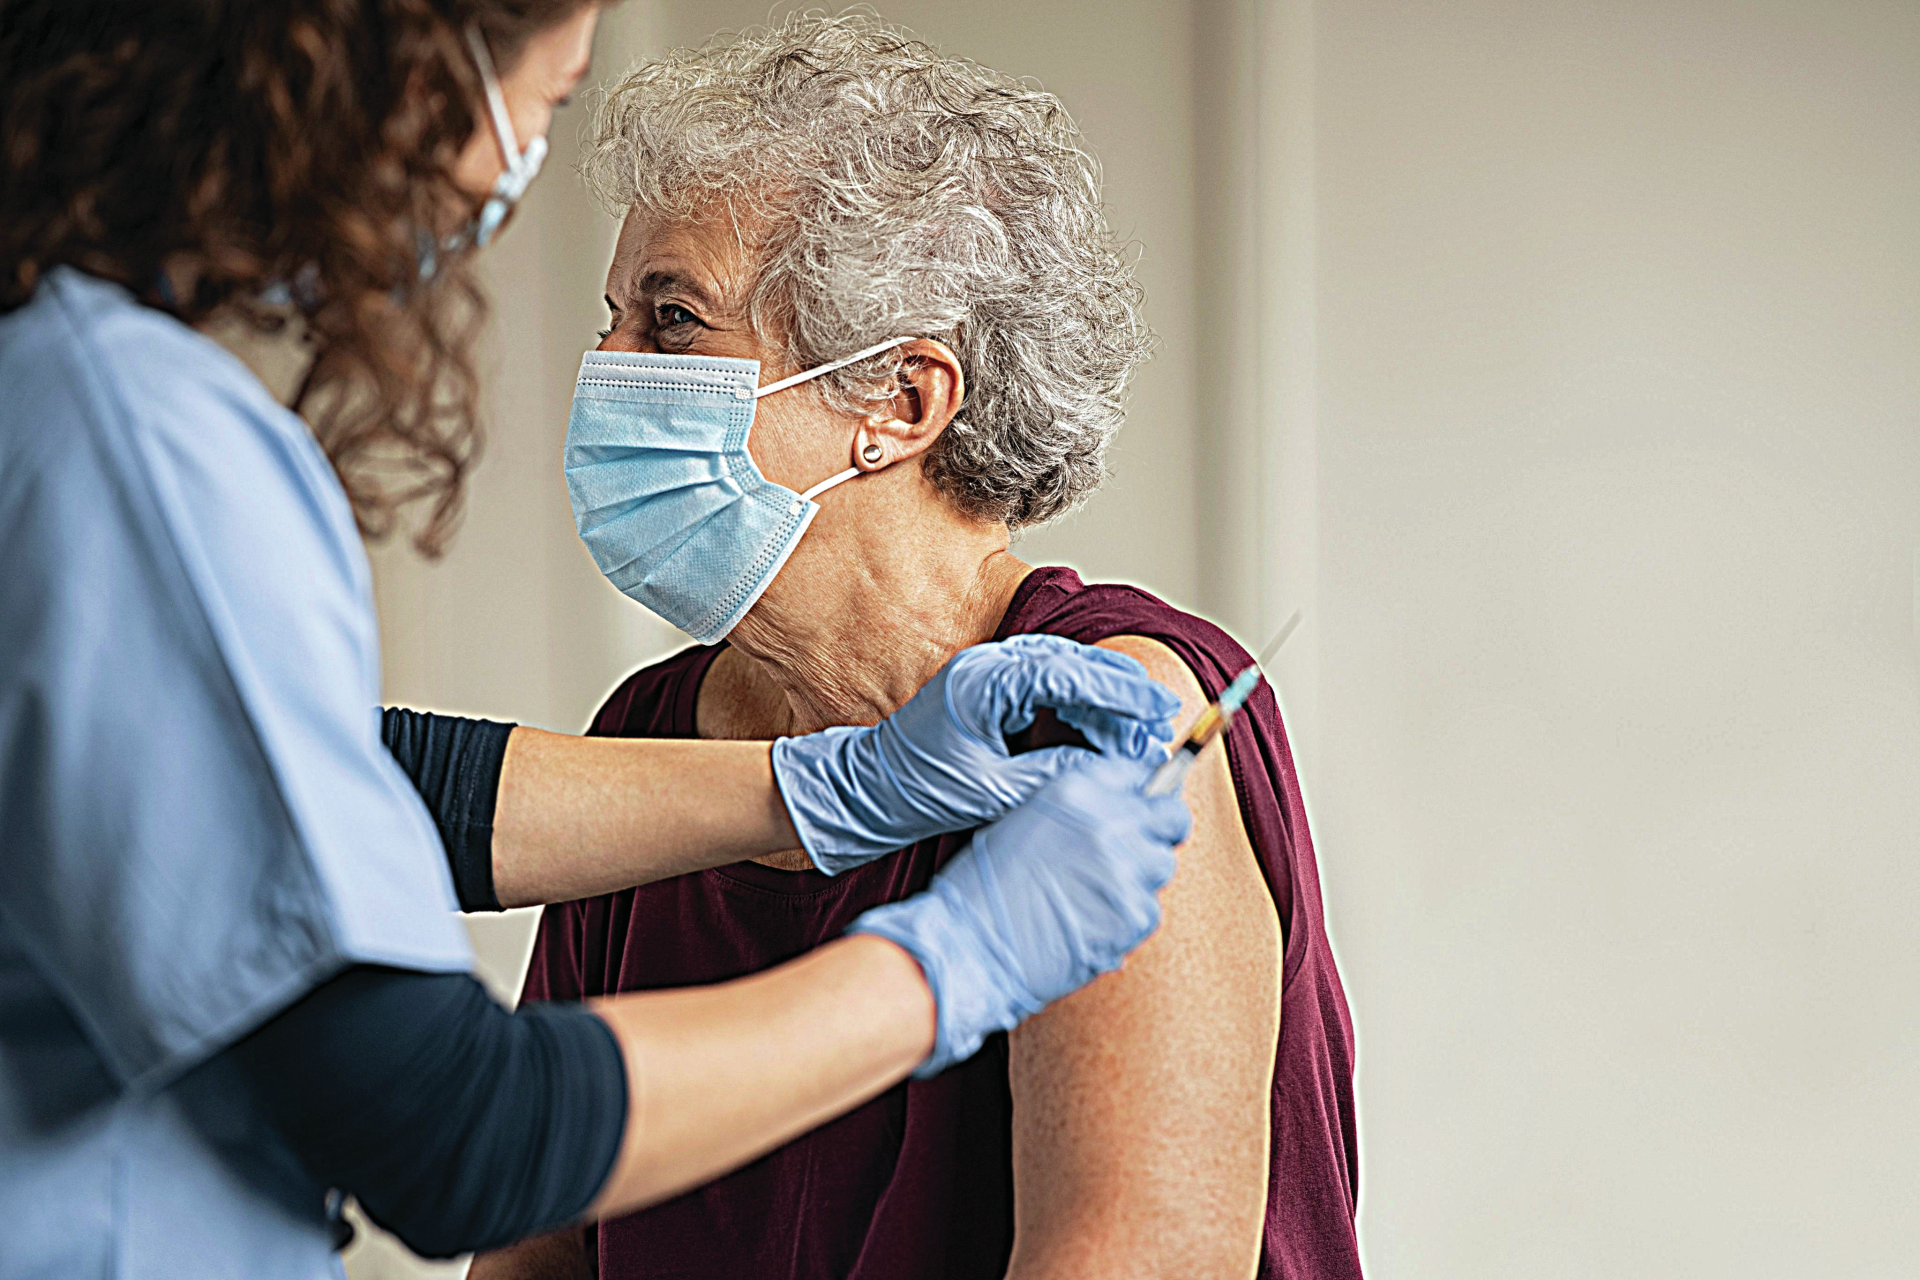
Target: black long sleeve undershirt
x,y
456,1124
454,763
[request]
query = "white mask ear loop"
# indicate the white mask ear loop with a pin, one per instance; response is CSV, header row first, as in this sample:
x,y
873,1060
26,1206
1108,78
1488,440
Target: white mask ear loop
x,y
809,374
800,502
798,378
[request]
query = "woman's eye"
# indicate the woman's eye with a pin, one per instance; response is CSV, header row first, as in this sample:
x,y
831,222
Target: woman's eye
x,y
604,334
672,314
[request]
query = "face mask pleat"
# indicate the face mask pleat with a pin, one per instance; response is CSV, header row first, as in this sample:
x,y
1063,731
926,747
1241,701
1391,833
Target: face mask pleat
x,y
608,371
683,577
608,476
582,457
615,522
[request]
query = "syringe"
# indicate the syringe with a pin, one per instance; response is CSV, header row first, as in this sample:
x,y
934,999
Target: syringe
x,y
1216,719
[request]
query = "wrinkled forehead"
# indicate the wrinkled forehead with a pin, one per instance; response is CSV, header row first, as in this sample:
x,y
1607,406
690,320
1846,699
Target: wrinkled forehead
x,y
710,253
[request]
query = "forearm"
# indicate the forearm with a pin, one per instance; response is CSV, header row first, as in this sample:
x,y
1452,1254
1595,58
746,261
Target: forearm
x,y
461,1126
582,816
719,1075
541,817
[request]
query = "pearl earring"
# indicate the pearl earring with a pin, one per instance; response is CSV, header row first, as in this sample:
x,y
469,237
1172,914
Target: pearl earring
x,y
872,453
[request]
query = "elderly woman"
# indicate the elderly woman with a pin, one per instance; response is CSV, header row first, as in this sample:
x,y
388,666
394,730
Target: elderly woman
x,y
794,196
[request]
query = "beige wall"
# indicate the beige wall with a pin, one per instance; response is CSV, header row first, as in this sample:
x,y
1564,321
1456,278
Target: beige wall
x,y
1618,333
1560,360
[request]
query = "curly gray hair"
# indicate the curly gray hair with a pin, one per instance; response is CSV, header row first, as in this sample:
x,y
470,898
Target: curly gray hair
x,y
898,191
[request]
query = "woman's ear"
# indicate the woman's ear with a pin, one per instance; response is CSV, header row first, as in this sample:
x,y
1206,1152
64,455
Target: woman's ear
x,y
932,389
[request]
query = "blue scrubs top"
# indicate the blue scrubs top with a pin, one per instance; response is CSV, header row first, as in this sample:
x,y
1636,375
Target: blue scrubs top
x,y
197,820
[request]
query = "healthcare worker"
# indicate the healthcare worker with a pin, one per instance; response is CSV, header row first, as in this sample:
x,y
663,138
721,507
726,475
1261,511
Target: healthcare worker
x,y
231,988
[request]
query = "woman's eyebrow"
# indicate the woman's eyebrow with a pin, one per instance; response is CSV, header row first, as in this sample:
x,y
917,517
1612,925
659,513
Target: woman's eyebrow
x,y
655,283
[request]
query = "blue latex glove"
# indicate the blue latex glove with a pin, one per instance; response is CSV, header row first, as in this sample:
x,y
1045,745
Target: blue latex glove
x,y
940,763
1043,901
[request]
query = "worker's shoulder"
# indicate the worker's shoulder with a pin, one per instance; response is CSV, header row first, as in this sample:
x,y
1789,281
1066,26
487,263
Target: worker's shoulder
x,y
119,425
84,363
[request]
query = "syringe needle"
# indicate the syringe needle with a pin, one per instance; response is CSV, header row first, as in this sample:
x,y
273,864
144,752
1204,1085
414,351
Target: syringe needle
x,y
1217,718
1279,638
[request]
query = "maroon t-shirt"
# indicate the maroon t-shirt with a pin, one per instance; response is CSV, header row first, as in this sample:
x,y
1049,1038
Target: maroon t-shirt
x,y
919,1182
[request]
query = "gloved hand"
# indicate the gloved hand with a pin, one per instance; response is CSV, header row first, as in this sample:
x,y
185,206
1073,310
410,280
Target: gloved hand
x,y
1043,901
940,763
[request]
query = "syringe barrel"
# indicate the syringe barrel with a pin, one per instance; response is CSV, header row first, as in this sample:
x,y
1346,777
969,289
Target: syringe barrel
x,y
1167,778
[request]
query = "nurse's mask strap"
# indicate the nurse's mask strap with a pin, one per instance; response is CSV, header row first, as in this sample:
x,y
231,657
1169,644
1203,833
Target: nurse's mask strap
x,y
521,167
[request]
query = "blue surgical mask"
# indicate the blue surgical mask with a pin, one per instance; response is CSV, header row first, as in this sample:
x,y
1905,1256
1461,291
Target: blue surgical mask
x,y
665,494
522,167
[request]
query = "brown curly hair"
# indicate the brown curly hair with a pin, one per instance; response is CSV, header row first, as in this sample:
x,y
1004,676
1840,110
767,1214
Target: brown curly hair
x,y
283,159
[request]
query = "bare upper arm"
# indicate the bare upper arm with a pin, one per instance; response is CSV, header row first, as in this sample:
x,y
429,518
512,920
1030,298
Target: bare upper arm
x,y
1142,1107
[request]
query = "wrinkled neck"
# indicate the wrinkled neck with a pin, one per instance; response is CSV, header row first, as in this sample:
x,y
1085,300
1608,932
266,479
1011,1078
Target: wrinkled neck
x,y
864,615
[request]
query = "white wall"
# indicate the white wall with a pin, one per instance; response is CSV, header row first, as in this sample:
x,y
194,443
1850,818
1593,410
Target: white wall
x,y
1560,361
1618,784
